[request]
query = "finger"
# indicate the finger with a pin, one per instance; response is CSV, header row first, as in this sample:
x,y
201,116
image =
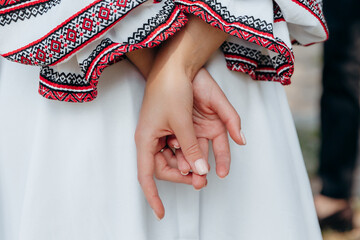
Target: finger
x,y
222,155
146,167
164,172
170,158
185,134
173,142
227,113
204,146
183,165
198,181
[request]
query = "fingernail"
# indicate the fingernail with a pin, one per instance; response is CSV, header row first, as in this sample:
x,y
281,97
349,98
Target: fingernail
x,y
156,216
176,146
184,174
243,137
201,166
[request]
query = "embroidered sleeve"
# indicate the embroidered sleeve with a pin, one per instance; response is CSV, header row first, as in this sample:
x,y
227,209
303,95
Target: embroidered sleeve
x,y
74,41
262,32
61,36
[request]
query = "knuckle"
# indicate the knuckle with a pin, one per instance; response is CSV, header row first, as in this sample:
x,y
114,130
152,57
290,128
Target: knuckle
x,y
192,150
222,157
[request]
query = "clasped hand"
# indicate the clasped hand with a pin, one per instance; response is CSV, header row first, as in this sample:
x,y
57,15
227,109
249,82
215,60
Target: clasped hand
x,y
183,107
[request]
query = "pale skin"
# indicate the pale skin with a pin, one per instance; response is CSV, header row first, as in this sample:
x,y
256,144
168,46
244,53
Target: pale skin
x,y
174,105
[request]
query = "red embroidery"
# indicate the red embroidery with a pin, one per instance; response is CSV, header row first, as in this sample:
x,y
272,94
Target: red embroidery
x,y
8,2
74,40
240,28
314,8
109,53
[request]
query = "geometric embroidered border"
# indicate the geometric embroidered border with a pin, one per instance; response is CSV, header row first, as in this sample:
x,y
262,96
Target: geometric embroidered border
x,y
80,88
113,53
254,63
315,8
278,15
74,34
214,6
70,79
7,17
66,96
284,65
6,3
101,15
156,30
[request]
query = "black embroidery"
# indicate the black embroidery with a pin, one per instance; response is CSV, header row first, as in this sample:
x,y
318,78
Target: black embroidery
x,y
27,12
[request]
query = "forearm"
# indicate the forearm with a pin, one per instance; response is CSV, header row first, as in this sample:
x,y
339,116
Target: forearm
x,y
190,48
143,59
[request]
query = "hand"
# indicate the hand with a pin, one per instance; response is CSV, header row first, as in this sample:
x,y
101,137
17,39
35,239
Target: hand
x,y
213,116
166,110
165,165
168,102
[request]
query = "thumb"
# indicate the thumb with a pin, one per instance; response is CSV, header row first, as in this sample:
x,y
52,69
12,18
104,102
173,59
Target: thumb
x,y
185,134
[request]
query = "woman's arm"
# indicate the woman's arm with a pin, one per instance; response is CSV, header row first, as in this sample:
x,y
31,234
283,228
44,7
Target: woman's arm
x,y
190,48
168,103
143,59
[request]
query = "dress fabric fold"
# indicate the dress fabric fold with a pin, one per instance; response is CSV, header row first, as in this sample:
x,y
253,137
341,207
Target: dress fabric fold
x,y
68,171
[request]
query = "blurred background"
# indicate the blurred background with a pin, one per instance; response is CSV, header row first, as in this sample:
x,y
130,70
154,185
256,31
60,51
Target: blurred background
x,y
304,96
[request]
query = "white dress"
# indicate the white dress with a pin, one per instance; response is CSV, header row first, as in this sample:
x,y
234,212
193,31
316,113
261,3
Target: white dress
x,y
68,170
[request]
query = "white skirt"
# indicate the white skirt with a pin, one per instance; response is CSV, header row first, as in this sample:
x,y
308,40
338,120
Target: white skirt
x,y
68,171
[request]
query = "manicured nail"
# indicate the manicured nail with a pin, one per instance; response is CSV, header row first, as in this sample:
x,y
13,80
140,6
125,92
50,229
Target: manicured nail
x,y
156,216
201,166
243,137
176,146
184,174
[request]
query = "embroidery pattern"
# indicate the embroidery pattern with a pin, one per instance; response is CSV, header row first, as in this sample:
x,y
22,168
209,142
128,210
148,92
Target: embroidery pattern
x,y
20,13
60,78
278,15
69,87
94,20
315,8
6,3
54,86
74,34
67,96
217,16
